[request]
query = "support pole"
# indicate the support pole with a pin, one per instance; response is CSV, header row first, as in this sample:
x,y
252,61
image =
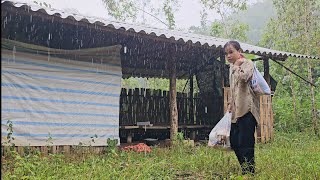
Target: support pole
x,y
223,62
266,74
173,99
191,104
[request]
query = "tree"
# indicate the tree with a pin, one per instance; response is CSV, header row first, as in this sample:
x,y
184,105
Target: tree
x,y
137,10
296,29
227,26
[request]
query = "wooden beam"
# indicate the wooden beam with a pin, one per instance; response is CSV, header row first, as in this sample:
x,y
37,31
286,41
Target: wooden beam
x,y
223,62
173,98
191,111
266,70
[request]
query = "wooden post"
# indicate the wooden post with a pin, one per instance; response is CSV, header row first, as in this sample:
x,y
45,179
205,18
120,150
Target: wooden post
x,y
129,137
223,62
266,70
173,113
191,112
193,135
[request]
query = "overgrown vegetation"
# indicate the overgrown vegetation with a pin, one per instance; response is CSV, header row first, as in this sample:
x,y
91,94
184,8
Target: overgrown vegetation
x,y
289,156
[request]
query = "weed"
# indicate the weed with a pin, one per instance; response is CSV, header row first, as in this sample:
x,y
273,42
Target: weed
x,y
288,156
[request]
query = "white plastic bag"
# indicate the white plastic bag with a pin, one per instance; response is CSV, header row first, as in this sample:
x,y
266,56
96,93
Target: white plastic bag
x,y
259,84
220,134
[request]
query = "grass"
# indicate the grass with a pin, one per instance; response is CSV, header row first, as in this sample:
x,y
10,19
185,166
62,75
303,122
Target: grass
x,y
289,156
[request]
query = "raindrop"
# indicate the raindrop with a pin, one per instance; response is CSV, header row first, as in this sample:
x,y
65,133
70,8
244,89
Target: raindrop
x,y
81,44
125,49
31,19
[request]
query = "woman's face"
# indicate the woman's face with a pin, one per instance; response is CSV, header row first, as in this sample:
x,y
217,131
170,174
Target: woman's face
x,y
232,54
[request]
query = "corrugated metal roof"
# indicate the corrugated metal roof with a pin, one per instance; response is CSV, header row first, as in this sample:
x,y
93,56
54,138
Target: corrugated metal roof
x,y
172,34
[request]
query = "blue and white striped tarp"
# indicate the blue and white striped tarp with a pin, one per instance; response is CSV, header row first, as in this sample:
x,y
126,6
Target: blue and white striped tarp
x,y
56,101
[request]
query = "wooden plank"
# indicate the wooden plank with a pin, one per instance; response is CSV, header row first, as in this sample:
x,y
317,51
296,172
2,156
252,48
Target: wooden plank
x,y
223,62
261,120
156,127
264,119
272,121
267,116
190,102
20,150
164,109
193,135
256,136
266,69
147,100
194,126
54,149
129,127
44,150
130,107
66,149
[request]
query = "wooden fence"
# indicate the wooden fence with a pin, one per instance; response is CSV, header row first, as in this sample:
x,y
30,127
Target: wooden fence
x,y
153,105
264,131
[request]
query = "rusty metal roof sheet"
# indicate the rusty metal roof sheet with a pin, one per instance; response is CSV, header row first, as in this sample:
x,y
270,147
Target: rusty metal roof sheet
x,y
172,34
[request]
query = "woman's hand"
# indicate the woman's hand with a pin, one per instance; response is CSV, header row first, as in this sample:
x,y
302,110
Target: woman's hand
x,y
229,108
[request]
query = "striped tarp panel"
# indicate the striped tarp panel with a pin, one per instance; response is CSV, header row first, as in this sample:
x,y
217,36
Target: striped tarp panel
x,y
58,101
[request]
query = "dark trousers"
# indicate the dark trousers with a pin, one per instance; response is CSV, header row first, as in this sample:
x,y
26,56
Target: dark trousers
x,y
242,141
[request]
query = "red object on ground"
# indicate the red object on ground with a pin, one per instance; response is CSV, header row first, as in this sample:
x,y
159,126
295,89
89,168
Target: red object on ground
x,y
141,147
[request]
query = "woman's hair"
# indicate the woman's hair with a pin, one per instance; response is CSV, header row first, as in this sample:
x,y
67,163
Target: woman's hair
x,y
235,44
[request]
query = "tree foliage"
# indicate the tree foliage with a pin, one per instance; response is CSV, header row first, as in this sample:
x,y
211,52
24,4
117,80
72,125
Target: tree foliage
x,y
295,29
228,26
138,10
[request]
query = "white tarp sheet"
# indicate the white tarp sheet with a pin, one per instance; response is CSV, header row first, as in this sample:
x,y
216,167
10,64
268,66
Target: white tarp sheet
x,y
56,101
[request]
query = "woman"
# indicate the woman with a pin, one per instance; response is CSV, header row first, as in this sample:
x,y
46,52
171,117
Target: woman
x,y
243,105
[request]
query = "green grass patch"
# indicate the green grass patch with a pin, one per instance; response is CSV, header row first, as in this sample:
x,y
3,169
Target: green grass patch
x,y
289,156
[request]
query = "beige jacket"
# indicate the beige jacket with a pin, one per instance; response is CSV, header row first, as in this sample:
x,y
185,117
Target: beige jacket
x,y
242,97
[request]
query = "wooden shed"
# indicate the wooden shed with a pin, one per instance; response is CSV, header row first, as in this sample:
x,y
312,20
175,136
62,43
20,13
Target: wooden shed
x,y
144,52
